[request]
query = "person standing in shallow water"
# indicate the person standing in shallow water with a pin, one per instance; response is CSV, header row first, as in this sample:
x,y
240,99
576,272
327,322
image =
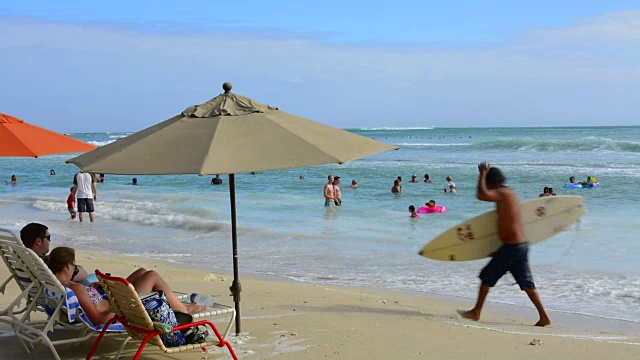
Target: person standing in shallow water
x,y
337,194
85,192
396,189
329,193
513,255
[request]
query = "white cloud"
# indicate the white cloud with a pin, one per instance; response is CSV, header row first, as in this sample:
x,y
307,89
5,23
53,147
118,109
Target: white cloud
x,y
578,74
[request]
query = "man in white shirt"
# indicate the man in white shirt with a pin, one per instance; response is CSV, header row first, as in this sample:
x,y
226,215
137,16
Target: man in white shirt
x,y
85,191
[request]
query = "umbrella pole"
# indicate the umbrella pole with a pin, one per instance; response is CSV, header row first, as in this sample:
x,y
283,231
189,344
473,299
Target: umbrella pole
x,y
235,288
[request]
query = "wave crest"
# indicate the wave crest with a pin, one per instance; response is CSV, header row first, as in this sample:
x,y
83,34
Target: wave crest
x,y
584,144
143,213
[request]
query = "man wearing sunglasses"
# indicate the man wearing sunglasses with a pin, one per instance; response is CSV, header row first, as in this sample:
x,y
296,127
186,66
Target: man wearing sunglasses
x,y
37,238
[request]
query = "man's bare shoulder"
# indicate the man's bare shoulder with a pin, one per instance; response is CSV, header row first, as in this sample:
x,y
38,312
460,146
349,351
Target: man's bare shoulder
x,y
507,194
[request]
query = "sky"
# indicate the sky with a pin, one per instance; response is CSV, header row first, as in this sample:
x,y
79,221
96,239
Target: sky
x,y
81,66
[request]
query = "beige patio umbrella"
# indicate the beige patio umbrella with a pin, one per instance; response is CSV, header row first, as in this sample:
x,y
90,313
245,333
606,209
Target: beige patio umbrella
x,y
228,134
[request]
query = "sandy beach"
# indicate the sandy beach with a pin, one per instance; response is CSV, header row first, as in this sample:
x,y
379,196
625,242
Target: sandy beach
x,y
287,320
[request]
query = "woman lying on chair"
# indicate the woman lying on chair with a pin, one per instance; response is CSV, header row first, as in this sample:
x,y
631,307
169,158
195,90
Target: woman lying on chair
x,y
61,262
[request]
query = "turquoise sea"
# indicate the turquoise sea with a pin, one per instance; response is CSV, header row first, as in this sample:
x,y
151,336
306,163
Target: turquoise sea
x,y
370,241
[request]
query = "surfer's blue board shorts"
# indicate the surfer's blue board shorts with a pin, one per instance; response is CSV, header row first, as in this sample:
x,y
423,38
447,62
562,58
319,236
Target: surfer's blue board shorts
x,y
513,258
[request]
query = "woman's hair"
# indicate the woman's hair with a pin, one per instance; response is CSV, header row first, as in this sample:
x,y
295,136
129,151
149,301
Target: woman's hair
x,y
60,257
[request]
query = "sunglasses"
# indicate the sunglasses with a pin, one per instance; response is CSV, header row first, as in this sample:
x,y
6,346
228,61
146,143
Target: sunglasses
x,y
48,237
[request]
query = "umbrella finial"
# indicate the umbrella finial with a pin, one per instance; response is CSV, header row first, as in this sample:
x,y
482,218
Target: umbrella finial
x,y
227,87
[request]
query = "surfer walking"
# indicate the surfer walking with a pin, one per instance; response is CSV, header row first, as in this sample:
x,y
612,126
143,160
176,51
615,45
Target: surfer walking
x,y
513,255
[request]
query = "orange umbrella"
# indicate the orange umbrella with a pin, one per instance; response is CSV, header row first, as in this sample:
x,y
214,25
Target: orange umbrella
x,y
18,138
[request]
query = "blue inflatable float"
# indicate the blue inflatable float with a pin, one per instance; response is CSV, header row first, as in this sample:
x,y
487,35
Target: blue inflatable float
x,y
591,182
581,186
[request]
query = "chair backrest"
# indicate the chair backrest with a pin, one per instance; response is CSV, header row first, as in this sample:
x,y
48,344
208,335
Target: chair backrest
x,y
127,304
10,235
39,272
19,271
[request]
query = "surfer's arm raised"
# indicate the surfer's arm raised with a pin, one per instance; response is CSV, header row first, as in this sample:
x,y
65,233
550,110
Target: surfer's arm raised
x,y
483,192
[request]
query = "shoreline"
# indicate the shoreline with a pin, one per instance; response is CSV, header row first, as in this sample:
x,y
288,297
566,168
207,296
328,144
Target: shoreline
x,y
524,313
293,320
569,320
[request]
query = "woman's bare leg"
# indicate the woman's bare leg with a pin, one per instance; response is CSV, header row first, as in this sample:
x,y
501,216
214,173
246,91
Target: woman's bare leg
x,y
136,275
152,281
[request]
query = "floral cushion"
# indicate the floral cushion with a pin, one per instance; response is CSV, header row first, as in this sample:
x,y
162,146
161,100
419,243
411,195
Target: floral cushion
x,y
160,310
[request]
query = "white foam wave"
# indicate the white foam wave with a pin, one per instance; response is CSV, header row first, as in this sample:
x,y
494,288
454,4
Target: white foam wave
x,y
589,143
383,128
144,213
432,144
101,143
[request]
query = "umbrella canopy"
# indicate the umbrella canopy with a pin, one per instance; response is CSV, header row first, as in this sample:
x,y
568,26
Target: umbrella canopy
x,y
18,138
226,135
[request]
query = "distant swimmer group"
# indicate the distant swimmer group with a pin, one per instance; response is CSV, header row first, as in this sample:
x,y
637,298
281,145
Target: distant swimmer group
x,y
590,182
547,191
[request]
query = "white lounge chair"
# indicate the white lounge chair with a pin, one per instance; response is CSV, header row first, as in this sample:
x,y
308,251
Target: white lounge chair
x,y
61,306
24,303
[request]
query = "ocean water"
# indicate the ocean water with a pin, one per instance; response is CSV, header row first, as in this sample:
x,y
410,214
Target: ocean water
x,y
370,241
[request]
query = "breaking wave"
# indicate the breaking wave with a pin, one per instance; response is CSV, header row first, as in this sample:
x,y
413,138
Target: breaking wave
x,y
584,144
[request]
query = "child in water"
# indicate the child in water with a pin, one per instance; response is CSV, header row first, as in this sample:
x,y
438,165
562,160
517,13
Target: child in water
x,y
71,204
412,210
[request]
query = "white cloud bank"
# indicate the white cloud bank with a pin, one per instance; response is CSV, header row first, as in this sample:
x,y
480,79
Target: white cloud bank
x,y
87,77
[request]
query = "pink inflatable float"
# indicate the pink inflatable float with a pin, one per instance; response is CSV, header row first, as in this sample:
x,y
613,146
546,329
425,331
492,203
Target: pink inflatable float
x,y
432,209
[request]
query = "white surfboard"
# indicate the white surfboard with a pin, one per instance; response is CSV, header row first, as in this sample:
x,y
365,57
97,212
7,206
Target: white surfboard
x,y
477,238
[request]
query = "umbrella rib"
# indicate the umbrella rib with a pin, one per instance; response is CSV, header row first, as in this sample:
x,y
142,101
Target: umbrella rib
x,y
205,159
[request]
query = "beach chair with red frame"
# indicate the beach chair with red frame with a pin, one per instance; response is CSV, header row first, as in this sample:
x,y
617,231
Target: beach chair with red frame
x,y
131,313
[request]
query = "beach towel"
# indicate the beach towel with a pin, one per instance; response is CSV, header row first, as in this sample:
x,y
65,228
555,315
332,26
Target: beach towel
x,y
74,310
